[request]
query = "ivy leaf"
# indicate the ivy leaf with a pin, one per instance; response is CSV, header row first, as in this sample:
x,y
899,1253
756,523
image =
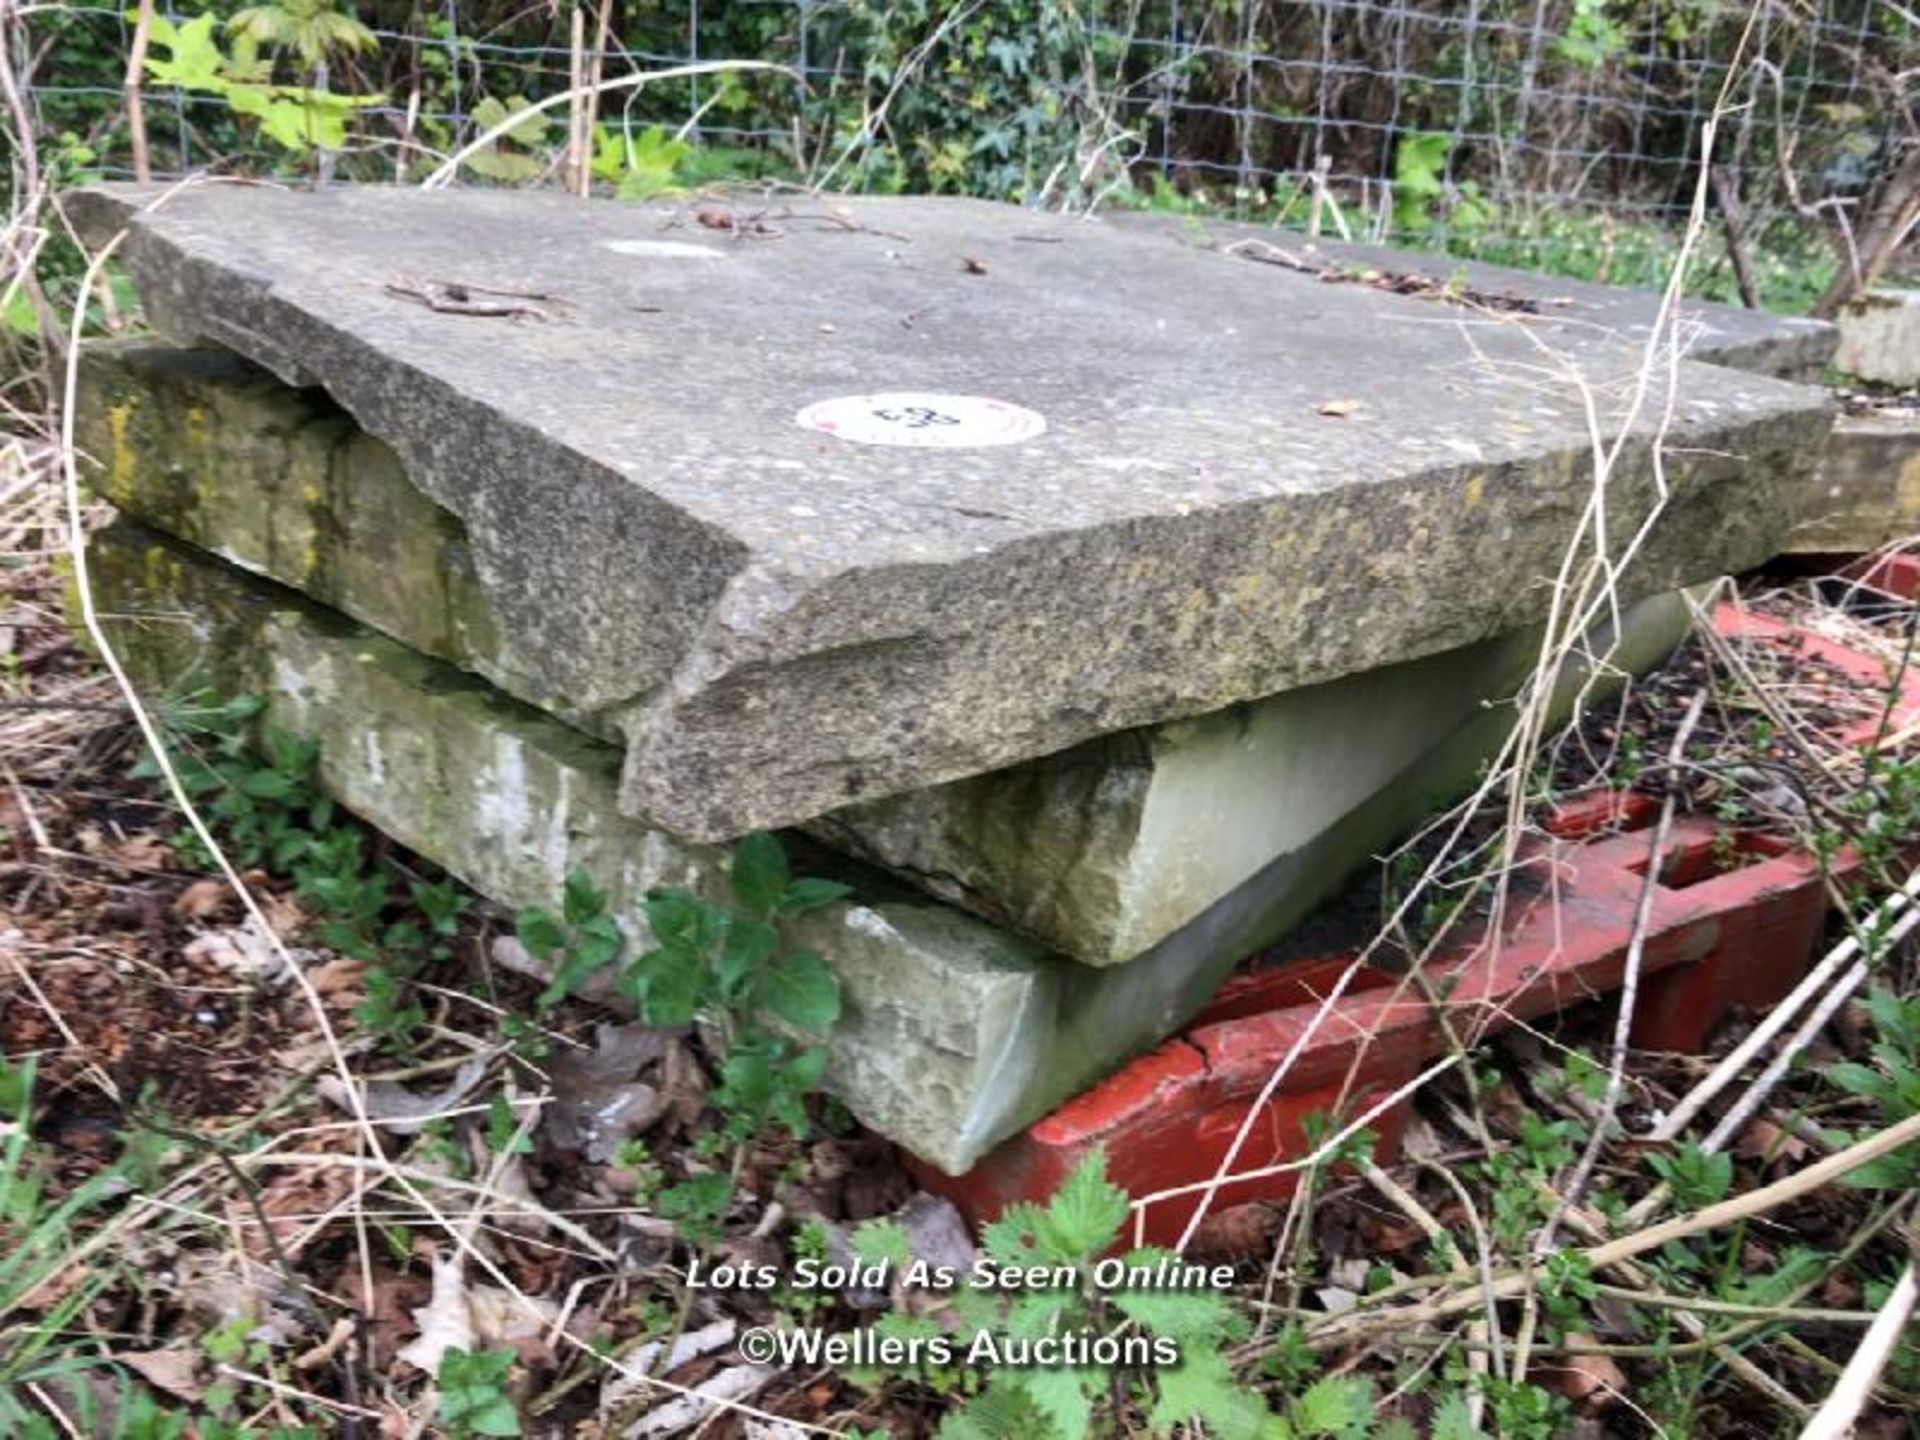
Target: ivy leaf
x,y
1085,1214
759,874
802,991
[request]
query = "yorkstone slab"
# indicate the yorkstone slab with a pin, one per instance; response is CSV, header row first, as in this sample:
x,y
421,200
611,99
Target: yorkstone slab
x,y
781,621
1867,492
211,449
1108,849
1880,338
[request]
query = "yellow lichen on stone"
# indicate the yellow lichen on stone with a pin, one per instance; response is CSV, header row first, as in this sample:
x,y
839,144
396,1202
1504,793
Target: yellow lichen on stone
x,y
120,465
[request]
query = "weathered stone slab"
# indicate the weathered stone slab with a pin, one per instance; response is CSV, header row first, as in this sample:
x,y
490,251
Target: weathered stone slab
x,y
1880,338
1106,850
213,450
1101,852
782,621
1572,314
1867,492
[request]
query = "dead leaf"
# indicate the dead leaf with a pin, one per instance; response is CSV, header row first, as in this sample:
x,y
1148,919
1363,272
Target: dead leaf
x,y
203,898
144,851
293,1201
1764,1140
404,1111
689,1410
339,980
245,952
1592,1382
1340,409
284,914
1239,1232
445,1323
597,1100
172,1370
387,1304
500,1318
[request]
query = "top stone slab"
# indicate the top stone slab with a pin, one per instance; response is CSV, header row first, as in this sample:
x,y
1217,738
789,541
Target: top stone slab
x,y
1247,480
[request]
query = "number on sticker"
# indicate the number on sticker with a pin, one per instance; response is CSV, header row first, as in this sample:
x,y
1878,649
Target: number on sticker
x,y
916,417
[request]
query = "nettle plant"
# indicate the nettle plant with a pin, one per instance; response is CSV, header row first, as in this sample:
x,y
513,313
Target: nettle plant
x,y
1079,1226
723,965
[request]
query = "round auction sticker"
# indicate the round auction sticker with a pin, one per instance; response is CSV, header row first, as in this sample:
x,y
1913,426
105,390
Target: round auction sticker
x,y
923,420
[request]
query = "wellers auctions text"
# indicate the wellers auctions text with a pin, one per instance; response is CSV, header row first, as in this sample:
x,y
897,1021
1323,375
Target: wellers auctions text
x,y
1116,1273
813,1347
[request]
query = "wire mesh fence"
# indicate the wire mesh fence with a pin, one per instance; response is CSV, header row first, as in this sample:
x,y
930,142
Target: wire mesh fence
x,y
1557,133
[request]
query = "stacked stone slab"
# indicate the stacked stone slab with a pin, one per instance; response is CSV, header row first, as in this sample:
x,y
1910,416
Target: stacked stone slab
x,y
503,497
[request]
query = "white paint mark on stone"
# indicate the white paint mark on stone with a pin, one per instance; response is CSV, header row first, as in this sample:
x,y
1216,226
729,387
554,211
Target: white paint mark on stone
x,y
663,249
923,420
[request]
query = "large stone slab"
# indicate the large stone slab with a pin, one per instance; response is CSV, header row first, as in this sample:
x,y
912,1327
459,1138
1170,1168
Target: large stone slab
x,y
1571,315
781,621
213,450
1880,338
1102,852
1867,492
1106,850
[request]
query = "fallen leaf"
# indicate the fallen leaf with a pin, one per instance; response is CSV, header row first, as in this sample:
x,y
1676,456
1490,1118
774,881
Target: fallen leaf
x,y
244,951
293,1202
1592,1382
387,1304
339,979
630,1379
446,1321
404,1111
597,1100
144,851
1764,1140
172,1370
501,1318
203,898
689,1410
284,914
